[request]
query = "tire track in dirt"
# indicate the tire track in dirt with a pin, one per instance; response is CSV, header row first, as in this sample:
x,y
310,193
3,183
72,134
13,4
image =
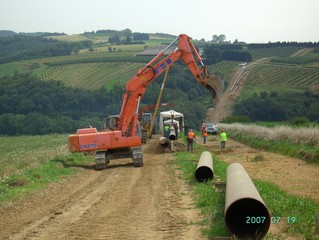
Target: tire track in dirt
x,y
121,202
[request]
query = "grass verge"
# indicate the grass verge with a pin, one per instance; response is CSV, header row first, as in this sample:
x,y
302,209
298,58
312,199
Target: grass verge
x,y
294,215
16,185
207,199
308,153
297,215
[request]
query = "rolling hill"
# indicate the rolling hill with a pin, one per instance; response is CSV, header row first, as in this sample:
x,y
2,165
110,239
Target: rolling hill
x,y
104,66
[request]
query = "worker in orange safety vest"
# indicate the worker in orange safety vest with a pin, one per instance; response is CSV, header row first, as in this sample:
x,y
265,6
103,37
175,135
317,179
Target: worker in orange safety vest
x,y
190,140
205,134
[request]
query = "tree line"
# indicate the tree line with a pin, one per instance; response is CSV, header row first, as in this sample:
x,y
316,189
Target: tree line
x,y
274,106
22,47
282,44
116,39
6,33
229,52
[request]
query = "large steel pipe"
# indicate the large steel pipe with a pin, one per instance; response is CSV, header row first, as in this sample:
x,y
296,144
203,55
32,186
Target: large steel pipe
x,y
246,215
172,134
164,141
204,170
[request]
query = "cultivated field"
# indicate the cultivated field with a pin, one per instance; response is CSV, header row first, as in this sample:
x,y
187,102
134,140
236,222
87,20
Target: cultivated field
x,y
92,75
23,152
224,69
283,76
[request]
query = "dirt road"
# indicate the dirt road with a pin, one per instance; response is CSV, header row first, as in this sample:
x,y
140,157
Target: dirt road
x,y
121,202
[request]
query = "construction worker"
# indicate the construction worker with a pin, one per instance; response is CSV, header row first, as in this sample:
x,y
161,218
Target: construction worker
x,y
203,127
190,140
223,139
166,130
205,134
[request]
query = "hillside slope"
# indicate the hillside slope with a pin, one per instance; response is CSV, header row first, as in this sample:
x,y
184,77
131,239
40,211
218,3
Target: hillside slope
x,y
223,107
267,74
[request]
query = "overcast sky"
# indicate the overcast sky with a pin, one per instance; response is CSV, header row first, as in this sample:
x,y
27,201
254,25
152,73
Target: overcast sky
x,y
245,20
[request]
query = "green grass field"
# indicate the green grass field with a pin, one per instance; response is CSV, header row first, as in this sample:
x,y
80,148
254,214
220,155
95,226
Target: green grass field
x,y
18,153
30,162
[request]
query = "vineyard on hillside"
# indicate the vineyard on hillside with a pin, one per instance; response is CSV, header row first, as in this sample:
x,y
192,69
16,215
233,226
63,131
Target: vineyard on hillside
x,y
92,75
283,76
224,69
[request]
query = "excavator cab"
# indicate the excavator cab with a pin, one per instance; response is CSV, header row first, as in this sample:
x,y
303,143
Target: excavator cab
x,y
146,120
111,123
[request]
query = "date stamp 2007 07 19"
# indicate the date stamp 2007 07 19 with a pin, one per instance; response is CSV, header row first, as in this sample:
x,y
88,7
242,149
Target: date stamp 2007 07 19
x,y
274,219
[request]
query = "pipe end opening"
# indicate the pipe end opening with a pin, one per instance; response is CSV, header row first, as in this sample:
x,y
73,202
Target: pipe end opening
x,y
248,218
203,173
172,137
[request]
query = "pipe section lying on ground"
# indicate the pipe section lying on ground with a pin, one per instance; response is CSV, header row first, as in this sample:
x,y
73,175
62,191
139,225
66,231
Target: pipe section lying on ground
x,y
172,134
246,215
164,141
204,170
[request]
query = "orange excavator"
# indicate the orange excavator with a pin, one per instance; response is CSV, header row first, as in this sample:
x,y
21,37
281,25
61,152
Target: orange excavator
x,y
121,134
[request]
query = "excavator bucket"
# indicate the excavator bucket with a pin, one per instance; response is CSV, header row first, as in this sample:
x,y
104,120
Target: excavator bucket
x,y
215,86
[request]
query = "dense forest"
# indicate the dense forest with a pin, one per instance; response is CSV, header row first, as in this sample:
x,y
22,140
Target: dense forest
x,y
274,106
32,106
21,47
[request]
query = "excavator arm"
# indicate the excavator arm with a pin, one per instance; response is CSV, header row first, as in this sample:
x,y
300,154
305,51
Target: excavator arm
x,y
136,87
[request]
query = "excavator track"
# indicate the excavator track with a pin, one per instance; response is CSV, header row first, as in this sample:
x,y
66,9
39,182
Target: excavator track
x,y
101,161
137,156
144,136
102,158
